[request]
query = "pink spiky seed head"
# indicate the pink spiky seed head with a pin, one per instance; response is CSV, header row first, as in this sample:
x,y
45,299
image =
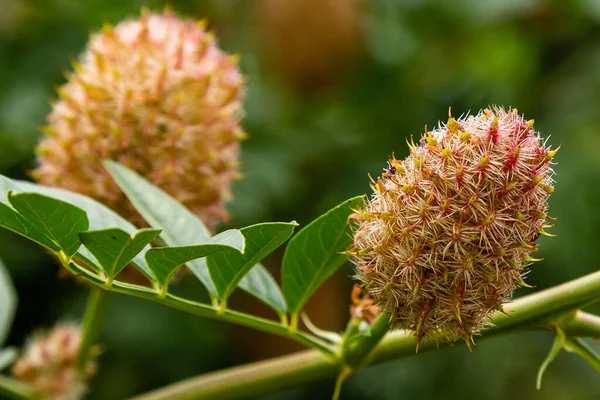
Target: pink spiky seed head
x,y
448,232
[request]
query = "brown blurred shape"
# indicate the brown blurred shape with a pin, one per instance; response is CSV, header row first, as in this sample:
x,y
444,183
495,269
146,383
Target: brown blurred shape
x,y
310,43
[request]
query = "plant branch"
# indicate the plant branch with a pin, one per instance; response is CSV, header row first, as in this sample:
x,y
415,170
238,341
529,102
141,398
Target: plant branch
x,y
251,380
583,324
14,389
533,312
95,312
205,310
357,354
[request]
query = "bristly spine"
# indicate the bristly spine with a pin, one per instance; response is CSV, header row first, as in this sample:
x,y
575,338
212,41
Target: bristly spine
x,y
448,232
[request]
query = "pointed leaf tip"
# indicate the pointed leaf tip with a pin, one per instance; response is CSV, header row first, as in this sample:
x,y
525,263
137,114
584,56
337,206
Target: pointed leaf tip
x,y
228,268
114,248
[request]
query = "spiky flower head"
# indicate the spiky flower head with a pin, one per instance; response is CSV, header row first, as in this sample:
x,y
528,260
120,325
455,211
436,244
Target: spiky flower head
x,y
48,364
158,95
446,236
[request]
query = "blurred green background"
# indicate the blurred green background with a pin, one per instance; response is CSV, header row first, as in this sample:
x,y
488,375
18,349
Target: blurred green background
x,y
335,87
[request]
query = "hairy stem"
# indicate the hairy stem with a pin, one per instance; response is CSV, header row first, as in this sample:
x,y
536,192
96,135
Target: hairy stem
x,y
95,312
14,389
534,312
205,310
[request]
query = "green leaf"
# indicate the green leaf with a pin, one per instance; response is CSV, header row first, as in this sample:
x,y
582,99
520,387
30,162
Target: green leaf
x,y
8,302
229,267
164,261
7,357
180,226
12,220
99,216
114,248
579,347
315,253
260,283
58,220
559,342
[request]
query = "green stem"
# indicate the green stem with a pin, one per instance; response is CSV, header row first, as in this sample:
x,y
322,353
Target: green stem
x,y
207,311
358,353
251,380
95,312
339,382
351,329
534,312
293,323
559,342
583,324
14,389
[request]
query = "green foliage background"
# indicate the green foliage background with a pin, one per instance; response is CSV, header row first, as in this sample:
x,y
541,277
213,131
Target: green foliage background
x,y
315,134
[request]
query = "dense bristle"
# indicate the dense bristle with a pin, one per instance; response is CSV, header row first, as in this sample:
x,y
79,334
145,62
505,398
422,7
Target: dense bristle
x,y
156,94
446,237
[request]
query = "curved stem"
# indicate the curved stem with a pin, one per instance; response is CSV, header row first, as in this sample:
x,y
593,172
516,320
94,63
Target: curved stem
x,y
534,312
95,312
14,389
205,310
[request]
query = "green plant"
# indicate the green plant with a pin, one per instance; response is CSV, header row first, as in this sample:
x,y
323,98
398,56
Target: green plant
x,y
96,244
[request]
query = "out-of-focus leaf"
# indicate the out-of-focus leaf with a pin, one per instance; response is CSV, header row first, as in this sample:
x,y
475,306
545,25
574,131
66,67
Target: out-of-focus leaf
x,y
180,227
7,357
229,267
164,261
260,283
114,248
330,336
315,253
8,302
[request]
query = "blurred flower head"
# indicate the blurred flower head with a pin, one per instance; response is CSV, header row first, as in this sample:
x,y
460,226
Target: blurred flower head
x,y
157,94
447,234
362,305
48,364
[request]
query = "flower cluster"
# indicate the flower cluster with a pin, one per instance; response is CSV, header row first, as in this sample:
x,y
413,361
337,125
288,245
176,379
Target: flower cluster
x,y
48,364
158,95
448,232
